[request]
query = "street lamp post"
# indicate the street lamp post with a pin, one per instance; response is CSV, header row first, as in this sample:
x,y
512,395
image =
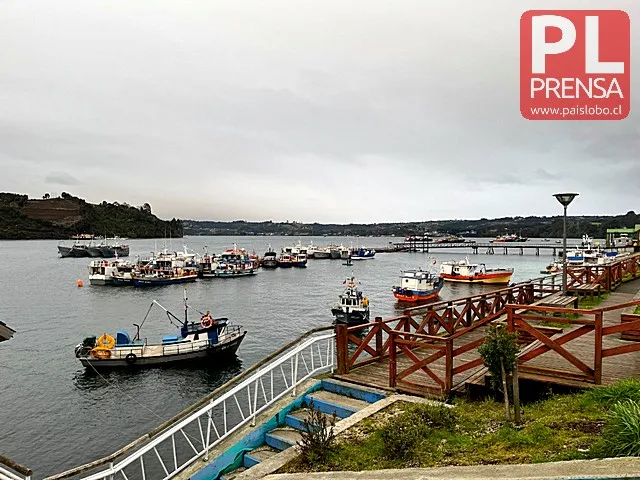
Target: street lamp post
x,y
565,199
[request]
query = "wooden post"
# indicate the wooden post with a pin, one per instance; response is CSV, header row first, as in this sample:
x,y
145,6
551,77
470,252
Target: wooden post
x,y
448,369
378,336
392,360
510,322
597,363
342,348
516,395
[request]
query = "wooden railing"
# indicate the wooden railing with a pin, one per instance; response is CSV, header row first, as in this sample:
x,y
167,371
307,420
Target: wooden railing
x,y
609,276
532,321
441,339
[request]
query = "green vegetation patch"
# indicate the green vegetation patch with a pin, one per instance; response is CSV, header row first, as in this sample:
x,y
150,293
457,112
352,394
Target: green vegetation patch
x,y
637,310
602,422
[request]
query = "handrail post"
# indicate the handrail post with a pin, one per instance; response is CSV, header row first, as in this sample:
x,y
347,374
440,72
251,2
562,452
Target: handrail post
x,y
392,360
342,348
378,336
448,374
597,367
294,379
510,320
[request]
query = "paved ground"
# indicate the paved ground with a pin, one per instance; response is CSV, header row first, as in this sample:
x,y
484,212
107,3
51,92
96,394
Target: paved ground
x,y
612,468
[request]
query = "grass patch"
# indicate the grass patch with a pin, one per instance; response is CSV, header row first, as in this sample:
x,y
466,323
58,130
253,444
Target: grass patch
x,y
601,422
589,302
637,310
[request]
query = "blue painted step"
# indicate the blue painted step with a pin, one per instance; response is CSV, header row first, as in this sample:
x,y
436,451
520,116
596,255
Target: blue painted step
x,y
296,418
367,394
282,438
330,403
258,455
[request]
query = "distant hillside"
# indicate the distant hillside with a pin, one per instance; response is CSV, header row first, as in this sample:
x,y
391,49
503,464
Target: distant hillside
x,y
62,217
534,227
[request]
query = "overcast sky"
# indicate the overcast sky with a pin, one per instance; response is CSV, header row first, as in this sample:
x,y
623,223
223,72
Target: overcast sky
x,y
325,110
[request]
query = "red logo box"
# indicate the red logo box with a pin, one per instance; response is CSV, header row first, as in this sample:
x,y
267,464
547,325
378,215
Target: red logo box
x,y
575,65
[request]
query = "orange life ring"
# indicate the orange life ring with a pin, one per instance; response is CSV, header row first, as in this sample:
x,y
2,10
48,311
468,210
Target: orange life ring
x,y
206,321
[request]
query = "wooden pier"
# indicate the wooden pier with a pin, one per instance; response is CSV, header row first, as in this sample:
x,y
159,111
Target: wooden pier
x,y
487,248
432,350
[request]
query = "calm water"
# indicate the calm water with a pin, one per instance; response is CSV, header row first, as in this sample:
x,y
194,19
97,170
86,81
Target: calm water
x,y
54,415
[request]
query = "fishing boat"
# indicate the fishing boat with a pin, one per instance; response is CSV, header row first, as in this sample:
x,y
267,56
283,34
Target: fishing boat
x,y
299,260
512,237
235,262
363,254
322,252
463,271
352,306
285,261
270,259
164,277
418,286
345,252
104,272
76,250
206,341
334,251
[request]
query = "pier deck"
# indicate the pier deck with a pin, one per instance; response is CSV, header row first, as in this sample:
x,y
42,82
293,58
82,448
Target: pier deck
x,y
432,350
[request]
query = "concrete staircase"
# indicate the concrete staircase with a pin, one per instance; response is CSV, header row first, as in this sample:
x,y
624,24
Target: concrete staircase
x,y
334,397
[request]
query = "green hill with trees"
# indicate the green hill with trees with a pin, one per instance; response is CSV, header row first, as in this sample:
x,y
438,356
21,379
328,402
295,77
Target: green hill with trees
x,y
66,215
533,227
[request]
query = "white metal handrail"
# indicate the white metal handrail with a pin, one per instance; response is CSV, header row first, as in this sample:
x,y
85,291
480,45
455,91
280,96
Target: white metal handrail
x,y
10,470
226,414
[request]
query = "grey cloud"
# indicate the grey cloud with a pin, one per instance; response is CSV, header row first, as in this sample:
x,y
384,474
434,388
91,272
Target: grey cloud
x,y
61,178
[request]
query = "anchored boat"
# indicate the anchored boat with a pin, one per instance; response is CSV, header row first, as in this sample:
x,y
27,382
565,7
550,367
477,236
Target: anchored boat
x,y
362,254
352,306
206,341
417,286
463,271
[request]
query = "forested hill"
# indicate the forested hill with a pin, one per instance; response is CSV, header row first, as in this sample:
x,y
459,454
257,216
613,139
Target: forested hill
x,y
533,227
65,216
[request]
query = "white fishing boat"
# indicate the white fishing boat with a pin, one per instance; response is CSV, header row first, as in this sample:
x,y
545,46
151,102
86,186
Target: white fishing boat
x,y
589,253
205,341
105,272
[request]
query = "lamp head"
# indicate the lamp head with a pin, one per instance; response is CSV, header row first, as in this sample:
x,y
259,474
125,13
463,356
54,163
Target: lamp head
x,y
565,198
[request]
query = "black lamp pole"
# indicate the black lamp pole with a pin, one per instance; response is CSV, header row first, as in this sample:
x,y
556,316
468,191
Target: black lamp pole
x,y
565,199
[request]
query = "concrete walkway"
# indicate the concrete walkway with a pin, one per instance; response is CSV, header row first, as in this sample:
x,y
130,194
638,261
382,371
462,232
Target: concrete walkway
x,y
610,468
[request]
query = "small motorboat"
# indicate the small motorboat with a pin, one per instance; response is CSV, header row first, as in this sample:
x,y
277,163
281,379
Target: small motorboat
x,y
352,306
463,271
363,254
299,260
206,341
348,263
285,260
418,286
553,267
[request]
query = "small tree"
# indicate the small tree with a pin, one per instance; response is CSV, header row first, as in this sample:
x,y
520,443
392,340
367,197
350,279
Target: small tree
x,y
317,435
46,196
500,355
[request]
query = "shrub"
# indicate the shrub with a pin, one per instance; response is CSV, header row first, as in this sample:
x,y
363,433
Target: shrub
x,y
402,435
628,389
405,432
317,436
500,349
434,416
621,435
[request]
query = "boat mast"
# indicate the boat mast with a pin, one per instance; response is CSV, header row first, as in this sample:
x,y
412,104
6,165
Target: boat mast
x,y
186,307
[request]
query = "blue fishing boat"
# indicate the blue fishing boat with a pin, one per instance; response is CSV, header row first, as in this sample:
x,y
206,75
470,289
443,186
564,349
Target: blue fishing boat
x,y
362,254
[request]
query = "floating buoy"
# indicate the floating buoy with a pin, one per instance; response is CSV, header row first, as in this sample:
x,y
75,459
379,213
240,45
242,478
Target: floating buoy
x,y
79,283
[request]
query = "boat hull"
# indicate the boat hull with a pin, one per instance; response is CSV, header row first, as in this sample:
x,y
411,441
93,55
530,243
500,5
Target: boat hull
x,y
269,264
321,255
100,280
405,295
153,282
500,278
211,354
242,273
350,317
